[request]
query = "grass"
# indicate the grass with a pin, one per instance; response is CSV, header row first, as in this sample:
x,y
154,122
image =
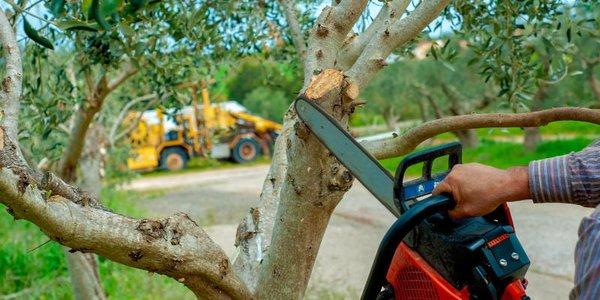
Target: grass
x,y
199,164
43,272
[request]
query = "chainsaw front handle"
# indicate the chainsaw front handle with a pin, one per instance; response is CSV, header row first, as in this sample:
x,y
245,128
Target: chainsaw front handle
x,y
394,236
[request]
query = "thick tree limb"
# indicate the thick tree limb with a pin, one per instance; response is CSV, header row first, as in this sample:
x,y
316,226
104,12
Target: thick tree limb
x,y
255,230
373,57
10,91
328,35
173,246
313,185
402,144
289,10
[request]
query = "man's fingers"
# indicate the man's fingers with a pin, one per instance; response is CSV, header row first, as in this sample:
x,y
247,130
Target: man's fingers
x,y
442,187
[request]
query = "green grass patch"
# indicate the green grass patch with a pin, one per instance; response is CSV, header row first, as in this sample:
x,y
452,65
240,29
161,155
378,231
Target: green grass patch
x,y
499,154
200,164
43,272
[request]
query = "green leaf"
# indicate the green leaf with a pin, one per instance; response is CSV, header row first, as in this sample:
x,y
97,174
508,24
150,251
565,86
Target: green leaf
x,y
56,7
96,12
74,24
503,91
35,36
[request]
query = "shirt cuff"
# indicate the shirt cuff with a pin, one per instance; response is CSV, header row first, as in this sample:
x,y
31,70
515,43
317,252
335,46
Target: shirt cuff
x,y
549,180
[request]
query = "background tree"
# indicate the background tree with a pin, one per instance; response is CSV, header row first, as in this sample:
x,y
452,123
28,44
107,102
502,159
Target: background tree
x,y
104,44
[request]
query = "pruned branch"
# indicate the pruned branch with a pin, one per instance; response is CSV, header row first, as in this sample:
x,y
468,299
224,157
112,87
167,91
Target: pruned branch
x,y
402,144
10,91
372,59
289,10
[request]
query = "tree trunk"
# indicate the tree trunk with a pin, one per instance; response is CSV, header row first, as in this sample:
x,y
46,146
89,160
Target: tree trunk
x,y
532,138
422,111
468,138
532,135
593,81
83,267
83,271
391,120
314,184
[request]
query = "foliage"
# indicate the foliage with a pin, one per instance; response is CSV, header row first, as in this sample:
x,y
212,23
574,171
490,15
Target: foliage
x,y
394,92
267,103
518,43
264,86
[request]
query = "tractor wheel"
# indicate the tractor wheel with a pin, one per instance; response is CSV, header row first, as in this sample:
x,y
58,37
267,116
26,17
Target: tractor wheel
x,y
173,159
246,150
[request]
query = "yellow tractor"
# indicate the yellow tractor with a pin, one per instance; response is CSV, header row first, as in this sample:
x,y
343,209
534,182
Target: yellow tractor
x,y
168,139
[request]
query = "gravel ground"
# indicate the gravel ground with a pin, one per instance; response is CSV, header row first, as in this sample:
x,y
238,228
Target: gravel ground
x,y
218,200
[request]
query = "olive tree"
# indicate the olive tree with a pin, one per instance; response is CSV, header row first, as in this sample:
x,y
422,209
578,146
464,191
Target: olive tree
x,y
278,241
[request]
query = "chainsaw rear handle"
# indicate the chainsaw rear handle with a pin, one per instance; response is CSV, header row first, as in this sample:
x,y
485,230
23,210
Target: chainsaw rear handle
x,y
394,236
427,182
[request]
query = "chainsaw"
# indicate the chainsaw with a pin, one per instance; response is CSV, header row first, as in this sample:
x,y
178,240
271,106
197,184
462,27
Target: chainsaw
x,y
425,254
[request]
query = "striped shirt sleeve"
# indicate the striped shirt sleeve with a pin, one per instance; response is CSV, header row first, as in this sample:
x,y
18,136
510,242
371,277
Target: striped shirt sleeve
x,y
575,178
587,259
572,178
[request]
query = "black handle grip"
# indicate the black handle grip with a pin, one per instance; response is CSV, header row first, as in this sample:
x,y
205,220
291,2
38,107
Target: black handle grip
x,y
427,181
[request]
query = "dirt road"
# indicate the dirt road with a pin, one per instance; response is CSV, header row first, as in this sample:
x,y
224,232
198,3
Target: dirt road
x,y
218,199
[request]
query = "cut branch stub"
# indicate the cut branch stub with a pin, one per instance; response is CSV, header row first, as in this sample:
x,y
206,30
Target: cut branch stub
x,y
323,83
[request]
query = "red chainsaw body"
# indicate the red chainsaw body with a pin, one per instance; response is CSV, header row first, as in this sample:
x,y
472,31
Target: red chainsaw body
x,y
413,278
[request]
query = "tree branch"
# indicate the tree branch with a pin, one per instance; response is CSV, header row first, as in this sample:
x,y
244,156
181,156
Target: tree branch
x,y
175,246
389,13
84,116
402,144
289,10
372,59
10,91
127,71
328,35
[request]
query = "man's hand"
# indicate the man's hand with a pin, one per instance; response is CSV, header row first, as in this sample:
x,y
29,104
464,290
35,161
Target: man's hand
x,y
478,189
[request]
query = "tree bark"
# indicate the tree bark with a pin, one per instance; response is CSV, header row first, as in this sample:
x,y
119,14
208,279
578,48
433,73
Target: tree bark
x,y
398,145
83,273
314,184
11,83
